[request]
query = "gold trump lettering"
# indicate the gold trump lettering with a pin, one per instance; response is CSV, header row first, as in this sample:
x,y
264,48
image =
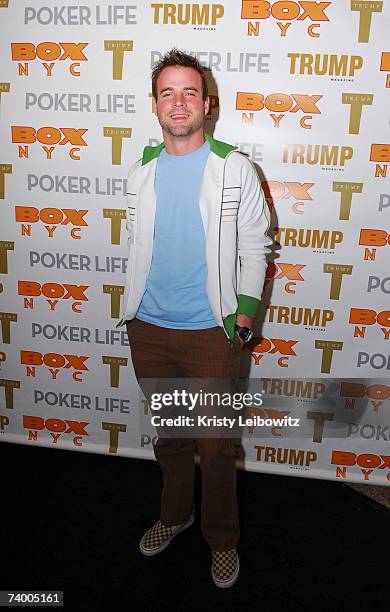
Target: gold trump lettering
x,y
327,347
115,363
4,88
357,101
295,315
6,318
290,386
325,64
346,190
366,9
118,48
183,14
115,291
4,169
337,272
292,456
319,419
114,429
116,215
117,135
324,155
5,246
9,386
4,3
307,237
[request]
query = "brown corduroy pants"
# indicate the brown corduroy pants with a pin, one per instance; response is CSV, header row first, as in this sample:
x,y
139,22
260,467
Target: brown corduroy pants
x,y
159,352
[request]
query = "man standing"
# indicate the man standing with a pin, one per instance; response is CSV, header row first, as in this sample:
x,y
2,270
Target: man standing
x,y
197,223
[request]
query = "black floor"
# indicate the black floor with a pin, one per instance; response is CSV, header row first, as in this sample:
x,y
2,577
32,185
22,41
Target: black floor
x,y
71,521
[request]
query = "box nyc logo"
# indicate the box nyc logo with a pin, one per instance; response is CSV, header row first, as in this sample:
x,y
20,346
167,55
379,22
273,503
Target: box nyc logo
x,y
284,13
48,137
53,292
52,54
49,53
277,104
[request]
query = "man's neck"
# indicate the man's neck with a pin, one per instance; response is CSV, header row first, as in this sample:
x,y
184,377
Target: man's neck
x,y
177,145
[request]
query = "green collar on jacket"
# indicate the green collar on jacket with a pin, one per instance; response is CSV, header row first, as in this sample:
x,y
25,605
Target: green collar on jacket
x,y
216,146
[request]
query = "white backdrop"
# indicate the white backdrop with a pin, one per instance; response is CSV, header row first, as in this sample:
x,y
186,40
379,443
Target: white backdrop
x,y
302,88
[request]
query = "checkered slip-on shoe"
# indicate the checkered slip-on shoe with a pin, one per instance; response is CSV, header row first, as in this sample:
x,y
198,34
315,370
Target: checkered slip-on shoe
x,y
225,567
158,537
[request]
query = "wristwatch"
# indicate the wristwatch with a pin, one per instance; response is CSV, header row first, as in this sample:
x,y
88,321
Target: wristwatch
x,y
245,333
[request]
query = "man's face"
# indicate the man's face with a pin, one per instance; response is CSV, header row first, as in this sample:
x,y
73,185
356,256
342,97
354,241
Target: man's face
x,y
180,106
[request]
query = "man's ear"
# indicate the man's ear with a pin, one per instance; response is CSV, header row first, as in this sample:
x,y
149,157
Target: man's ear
x,y
154,105
206,105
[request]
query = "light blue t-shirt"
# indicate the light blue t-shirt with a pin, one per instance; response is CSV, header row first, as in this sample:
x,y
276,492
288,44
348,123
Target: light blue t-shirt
x,y
175,295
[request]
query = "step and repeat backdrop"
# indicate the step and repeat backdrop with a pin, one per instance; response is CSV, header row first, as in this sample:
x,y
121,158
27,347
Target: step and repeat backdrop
x,y
302,88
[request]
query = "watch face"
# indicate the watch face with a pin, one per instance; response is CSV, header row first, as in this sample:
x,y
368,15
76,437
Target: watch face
x,y
245,333
248,335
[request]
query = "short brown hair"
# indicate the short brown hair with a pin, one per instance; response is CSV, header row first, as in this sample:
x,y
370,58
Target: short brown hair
x,y
174,57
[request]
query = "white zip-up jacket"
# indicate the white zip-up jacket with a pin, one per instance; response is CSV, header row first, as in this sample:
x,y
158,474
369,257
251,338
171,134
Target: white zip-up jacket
x,y
235,218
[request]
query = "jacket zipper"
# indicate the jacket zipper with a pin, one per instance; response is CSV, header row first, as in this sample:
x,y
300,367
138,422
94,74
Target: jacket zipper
x,y
133,249
219,249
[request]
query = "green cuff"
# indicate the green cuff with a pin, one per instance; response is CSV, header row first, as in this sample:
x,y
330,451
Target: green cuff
x,y
229,324
247,305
